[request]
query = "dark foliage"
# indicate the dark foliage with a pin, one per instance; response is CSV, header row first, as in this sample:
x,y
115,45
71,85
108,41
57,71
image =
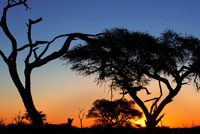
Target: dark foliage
x,y
113,113
120,55
131,60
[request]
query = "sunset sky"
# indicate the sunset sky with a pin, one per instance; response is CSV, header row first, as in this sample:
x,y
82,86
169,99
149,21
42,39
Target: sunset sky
x,y
59,92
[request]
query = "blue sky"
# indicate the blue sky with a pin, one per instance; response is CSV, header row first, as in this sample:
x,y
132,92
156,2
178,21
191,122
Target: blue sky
x,y
92,16
85,16
143,15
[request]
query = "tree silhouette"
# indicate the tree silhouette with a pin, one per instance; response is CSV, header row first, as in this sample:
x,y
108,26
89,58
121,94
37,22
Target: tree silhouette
x,y
131,60
81,116
33,59
113,113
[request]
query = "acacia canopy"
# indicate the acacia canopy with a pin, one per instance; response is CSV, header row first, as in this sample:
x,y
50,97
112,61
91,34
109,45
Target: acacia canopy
x,y
120,55
116,113
131,60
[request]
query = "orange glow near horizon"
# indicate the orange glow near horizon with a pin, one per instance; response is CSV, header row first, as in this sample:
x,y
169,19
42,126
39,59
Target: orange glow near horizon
x,y
61,97
59,92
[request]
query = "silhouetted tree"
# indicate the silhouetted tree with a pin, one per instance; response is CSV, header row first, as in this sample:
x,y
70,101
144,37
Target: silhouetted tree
x,y
113,113
32,57
81,116
131,60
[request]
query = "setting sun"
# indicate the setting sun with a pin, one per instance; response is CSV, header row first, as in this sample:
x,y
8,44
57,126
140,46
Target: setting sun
x,y
70,65
140,122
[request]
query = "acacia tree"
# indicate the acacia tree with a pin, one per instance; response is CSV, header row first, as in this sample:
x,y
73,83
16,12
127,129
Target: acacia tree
x,y
131,60
33,58
116,113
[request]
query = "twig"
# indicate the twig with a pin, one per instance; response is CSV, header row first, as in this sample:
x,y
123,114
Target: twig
x,y
31,22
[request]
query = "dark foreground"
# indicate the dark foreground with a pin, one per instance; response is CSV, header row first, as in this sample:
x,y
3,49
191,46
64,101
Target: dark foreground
x,y
57,129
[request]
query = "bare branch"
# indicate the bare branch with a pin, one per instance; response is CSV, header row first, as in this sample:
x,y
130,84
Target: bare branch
x,y
151,99
33,45
35,54
64,48
31,22
49,43
81,116
124,93
183,68
160,118
154,105
78,35
3,56
30,42
139,102
156,99
148,93
7,32
35,21
13,3
157,77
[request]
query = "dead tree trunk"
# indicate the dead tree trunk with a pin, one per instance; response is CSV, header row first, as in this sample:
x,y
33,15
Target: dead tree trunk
x,y
33,59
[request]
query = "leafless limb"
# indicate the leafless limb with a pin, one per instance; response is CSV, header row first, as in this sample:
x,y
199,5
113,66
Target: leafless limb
x,y
33,45
157,77
183,68
3,56
31,22
156,99
24,88
35,54
49,43
12,3
160,118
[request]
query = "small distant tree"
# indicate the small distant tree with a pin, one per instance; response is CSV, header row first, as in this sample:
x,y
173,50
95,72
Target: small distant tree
x,y
132,60
116,113
81,115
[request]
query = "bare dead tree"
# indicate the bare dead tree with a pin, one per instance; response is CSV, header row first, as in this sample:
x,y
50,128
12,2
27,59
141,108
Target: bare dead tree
x,y
33,58
81,116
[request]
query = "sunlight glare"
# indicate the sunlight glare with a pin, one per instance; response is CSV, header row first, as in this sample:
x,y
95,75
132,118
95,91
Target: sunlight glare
x,y
139,122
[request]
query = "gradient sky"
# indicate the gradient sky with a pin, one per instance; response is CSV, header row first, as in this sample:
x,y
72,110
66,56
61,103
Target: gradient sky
x,y
60,93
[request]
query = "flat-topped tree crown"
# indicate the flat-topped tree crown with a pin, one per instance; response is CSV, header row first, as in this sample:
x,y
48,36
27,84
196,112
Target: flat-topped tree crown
x,y
131,60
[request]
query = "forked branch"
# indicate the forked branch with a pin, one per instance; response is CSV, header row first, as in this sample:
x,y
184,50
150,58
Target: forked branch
x,y
63,49
154,105
3,56
31,22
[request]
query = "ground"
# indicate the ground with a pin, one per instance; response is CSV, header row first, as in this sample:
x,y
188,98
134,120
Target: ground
x,y
61,129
